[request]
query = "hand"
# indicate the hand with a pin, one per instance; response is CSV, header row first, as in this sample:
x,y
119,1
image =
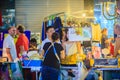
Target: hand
x,y
16,60
107,41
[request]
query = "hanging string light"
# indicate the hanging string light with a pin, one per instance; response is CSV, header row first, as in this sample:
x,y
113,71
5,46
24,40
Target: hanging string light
x,y
107,10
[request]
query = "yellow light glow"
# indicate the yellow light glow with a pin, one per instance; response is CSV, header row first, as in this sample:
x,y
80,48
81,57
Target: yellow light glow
x,y
108,8
91,11
84,15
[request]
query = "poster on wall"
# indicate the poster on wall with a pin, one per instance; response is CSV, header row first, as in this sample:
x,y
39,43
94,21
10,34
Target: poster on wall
x,y
81,34
7,19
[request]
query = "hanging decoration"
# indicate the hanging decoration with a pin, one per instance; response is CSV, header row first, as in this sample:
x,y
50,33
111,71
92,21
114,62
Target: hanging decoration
x,y
106,13
107,10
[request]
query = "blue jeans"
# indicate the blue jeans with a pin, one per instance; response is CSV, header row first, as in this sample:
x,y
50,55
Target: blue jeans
x,y
49,73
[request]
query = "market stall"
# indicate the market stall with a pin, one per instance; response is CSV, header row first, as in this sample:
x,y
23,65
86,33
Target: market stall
x,y
91,43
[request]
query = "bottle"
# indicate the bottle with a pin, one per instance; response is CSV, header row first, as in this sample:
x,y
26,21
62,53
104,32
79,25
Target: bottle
x,y
91,62
119,62
118,57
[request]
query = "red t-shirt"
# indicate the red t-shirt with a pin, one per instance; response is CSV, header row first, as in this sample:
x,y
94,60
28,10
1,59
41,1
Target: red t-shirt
x,y
22,41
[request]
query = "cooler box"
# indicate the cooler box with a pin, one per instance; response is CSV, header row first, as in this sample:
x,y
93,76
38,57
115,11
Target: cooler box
x,y
32,63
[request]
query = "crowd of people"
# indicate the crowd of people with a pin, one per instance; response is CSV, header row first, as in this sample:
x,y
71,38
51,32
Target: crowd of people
x,y
53,51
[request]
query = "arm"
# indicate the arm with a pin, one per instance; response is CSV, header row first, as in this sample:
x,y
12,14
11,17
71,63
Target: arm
x,y
78,47
22,50
63,45
62,54
41,47
41,54
9,54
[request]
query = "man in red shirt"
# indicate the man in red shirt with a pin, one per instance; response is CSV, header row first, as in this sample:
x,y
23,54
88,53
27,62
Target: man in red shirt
x,y
22,44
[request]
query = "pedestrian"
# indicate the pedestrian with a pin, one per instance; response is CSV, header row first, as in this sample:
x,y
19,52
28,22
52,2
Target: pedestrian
x,y
22,44
52,53
9,51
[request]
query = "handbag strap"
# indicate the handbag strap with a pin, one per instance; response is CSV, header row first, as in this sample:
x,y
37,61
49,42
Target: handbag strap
x,y
55,52
46,52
